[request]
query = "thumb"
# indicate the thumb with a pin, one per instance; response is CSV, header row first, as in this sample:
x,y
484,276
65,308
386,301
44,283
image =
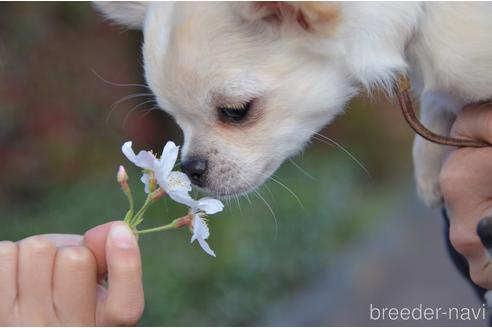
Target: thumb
x,y
125,296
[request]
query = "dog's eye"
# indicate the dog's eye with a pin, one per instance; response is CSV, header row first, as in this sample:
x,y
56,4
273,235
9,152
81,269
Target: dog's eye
x,y
234,113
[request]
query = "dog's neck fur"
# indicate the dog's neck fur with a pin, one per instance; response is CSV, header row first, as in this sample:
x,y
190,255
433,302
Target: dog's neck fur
x,y
433,43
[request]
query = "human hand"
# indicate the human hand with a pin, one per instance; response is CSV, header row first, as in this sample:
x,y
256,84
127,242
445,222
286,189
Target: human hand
x,y
52,279
466,185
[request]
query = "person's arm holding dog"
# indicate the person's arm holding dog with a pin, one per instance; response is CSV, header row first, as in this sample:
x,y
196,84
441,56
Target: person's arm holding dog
x,y
48,280
466,185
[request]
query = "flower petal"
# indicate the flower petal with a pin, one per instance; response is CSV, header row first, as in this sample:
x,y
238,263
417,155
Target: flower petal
x,y
182,197
200,233
177,185
168,158
178,181
209,205
144,159
200,228
128,151
206,247
146,181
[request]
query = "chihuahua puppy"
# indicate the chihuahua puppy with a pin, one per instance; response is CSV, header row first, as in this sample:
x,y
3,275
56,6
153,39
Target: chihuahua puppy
x,y
249,83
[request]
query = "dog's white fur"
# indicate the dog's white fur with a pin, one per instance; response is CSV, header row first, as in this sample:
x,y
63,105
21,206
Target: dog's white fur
x,y
199,56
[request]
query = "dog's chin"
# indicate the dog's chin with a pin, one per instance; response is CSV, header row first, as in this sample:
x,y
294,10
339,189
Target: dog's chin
x,y
227,192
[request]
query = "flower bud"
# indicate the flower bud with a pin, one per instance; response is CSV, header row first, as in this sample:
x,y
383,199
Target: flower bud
x,y
121,176
122,179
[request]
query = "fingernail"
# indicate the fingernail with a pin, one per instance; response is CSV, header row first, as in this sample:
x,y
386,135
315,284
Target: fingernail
x,y
121,236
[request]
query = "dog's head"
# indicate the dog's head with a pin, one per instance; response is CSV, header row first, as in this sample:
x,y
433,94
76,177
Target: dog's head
x,y
248,83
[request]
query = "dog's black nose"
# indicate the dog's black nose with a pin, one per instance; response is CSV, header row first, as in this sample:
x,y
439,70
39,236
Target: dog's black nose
x,y
195,169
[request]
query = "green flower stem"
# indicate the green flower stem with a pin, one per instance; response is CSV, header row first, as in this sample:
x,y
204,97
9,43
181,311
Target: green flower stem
x,y
128,194
169,226
135,220
176,224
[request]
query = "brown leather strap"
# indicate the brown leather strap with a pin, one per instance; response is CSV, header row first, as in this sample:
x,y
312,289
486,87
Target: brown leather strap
x,y
403,87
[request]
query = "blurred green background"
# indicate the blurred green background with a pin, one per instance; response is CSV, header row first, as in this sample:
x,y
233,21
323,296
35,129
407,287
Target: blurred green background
x,y
60,147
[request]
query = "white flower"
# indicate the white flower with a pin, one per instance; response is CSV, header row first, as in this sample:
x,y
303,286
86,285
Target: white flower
x,y
177,185
171,182
198,224
200,233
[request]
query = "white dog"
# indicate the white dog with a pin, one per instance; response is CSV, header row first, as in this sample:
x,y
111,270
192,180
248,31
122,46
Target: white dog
x,y
249,83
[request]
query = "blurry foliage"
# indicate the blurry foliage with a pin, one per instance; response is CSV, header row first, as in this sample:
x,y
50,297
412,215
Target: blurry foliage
x,y
59,155
53,103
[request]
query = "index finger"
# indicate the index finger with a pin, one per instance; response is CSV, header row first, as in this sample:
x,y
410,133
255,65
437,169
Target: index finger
x,y
95,240
474,122
62,240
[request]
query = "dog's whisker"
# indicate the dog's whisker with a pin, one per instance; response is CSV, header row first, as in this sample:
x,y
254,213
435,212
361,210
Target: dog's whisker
x,y
237,201
147,111
326,142
286,188
232,196
221,191
257,193
118,84
248,185
277,179
267,187
271,211
270,208
303,171
134,109
229,202
330,141
131,96
236,198
249,200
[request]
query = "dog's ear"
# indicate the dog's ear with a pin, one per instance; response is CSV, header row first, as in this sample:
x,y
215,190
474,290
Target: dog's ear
x,y
311,16
128,13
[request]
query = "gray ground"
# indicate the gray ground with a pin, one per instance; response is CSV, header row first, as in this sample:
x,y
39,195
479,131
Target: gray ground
x,y
402,264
